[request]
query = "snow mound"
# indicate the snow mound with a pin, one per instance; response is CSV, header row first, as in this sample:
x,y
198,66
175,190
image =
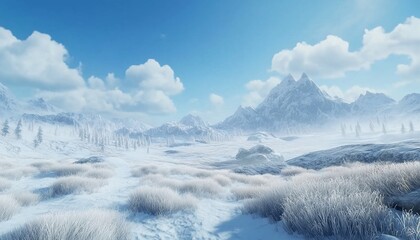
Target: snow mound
x,y
260,136
258,153
366,153
409,201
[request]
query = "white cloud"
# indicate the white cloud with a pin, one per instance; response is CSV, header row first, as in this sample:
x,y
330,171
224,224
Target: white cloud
x,y
349,95
37,61
111,80
150,95
216,100
96,83
152,76
258,90
40,62
331,57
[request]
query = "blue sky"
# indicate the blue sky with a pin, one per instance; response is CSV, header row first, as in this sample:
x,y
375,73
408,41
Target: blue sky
x,y
212,47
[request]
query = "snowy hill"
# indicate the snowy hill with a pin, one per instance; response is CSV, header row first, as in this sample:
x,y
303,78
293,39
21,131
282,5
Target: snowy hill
x,y
366,153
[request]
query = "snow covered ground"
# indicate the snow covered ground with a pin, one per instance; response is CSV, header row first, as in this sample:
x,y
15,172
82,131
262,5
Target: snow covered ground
x,y
200,172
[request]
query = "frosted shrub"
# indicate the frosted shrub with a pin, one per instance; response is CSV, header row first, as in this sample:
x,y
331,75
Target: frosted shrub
x,y
158,201
87,225
73,184
271,203
334,207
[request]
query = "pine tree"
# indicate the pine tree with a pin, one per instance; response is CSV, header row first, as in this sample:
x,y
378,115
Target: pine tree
x,y
358,129
411,127
383,128
5,129
18,130
38,138
402,128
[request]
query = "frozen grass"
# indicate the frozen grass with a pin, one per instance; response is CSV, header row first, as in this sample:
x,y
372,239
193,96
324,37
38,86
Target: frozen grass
x,y
290,171
99,173
334,207
18,172
87,225
26,198
74,184
8,207
147,170
158,201
66,169
222,180
248,192
346,202
4,184
409,224
270,203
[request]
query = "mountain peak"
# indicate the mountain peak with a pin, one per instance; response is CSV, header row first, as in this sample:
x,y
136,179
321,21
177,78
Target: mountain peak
x,y
193,121
304,77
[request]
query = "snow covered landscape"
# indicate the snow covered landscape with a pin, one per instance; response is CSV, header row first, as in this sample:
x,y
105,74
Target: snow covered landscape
x,y
192,180
215,120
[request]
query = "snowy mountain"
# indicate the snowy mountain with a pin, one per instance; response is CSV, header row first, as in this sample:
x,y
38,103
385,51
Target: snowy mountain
x,y
301,105
291,103
245,118
298,103
193,121
188,127
371,103
40,105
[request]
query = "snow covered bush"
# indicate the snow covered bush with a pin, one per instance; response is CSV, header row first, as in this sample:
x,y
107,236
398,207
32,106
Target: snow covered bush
x,y
73,184
86,225
8,207
158,201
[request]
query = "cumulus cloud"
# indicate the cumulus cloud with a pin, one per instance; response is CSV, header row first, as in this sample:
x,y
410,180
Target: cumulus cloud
x,y
331,58
96,83
216,100
258,90
98,98
152,76
37,61
349,95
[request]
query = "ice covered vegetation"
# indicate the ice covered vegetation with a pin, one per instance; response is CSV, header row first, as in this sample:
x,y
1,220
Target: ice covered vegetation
x,y
273,172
